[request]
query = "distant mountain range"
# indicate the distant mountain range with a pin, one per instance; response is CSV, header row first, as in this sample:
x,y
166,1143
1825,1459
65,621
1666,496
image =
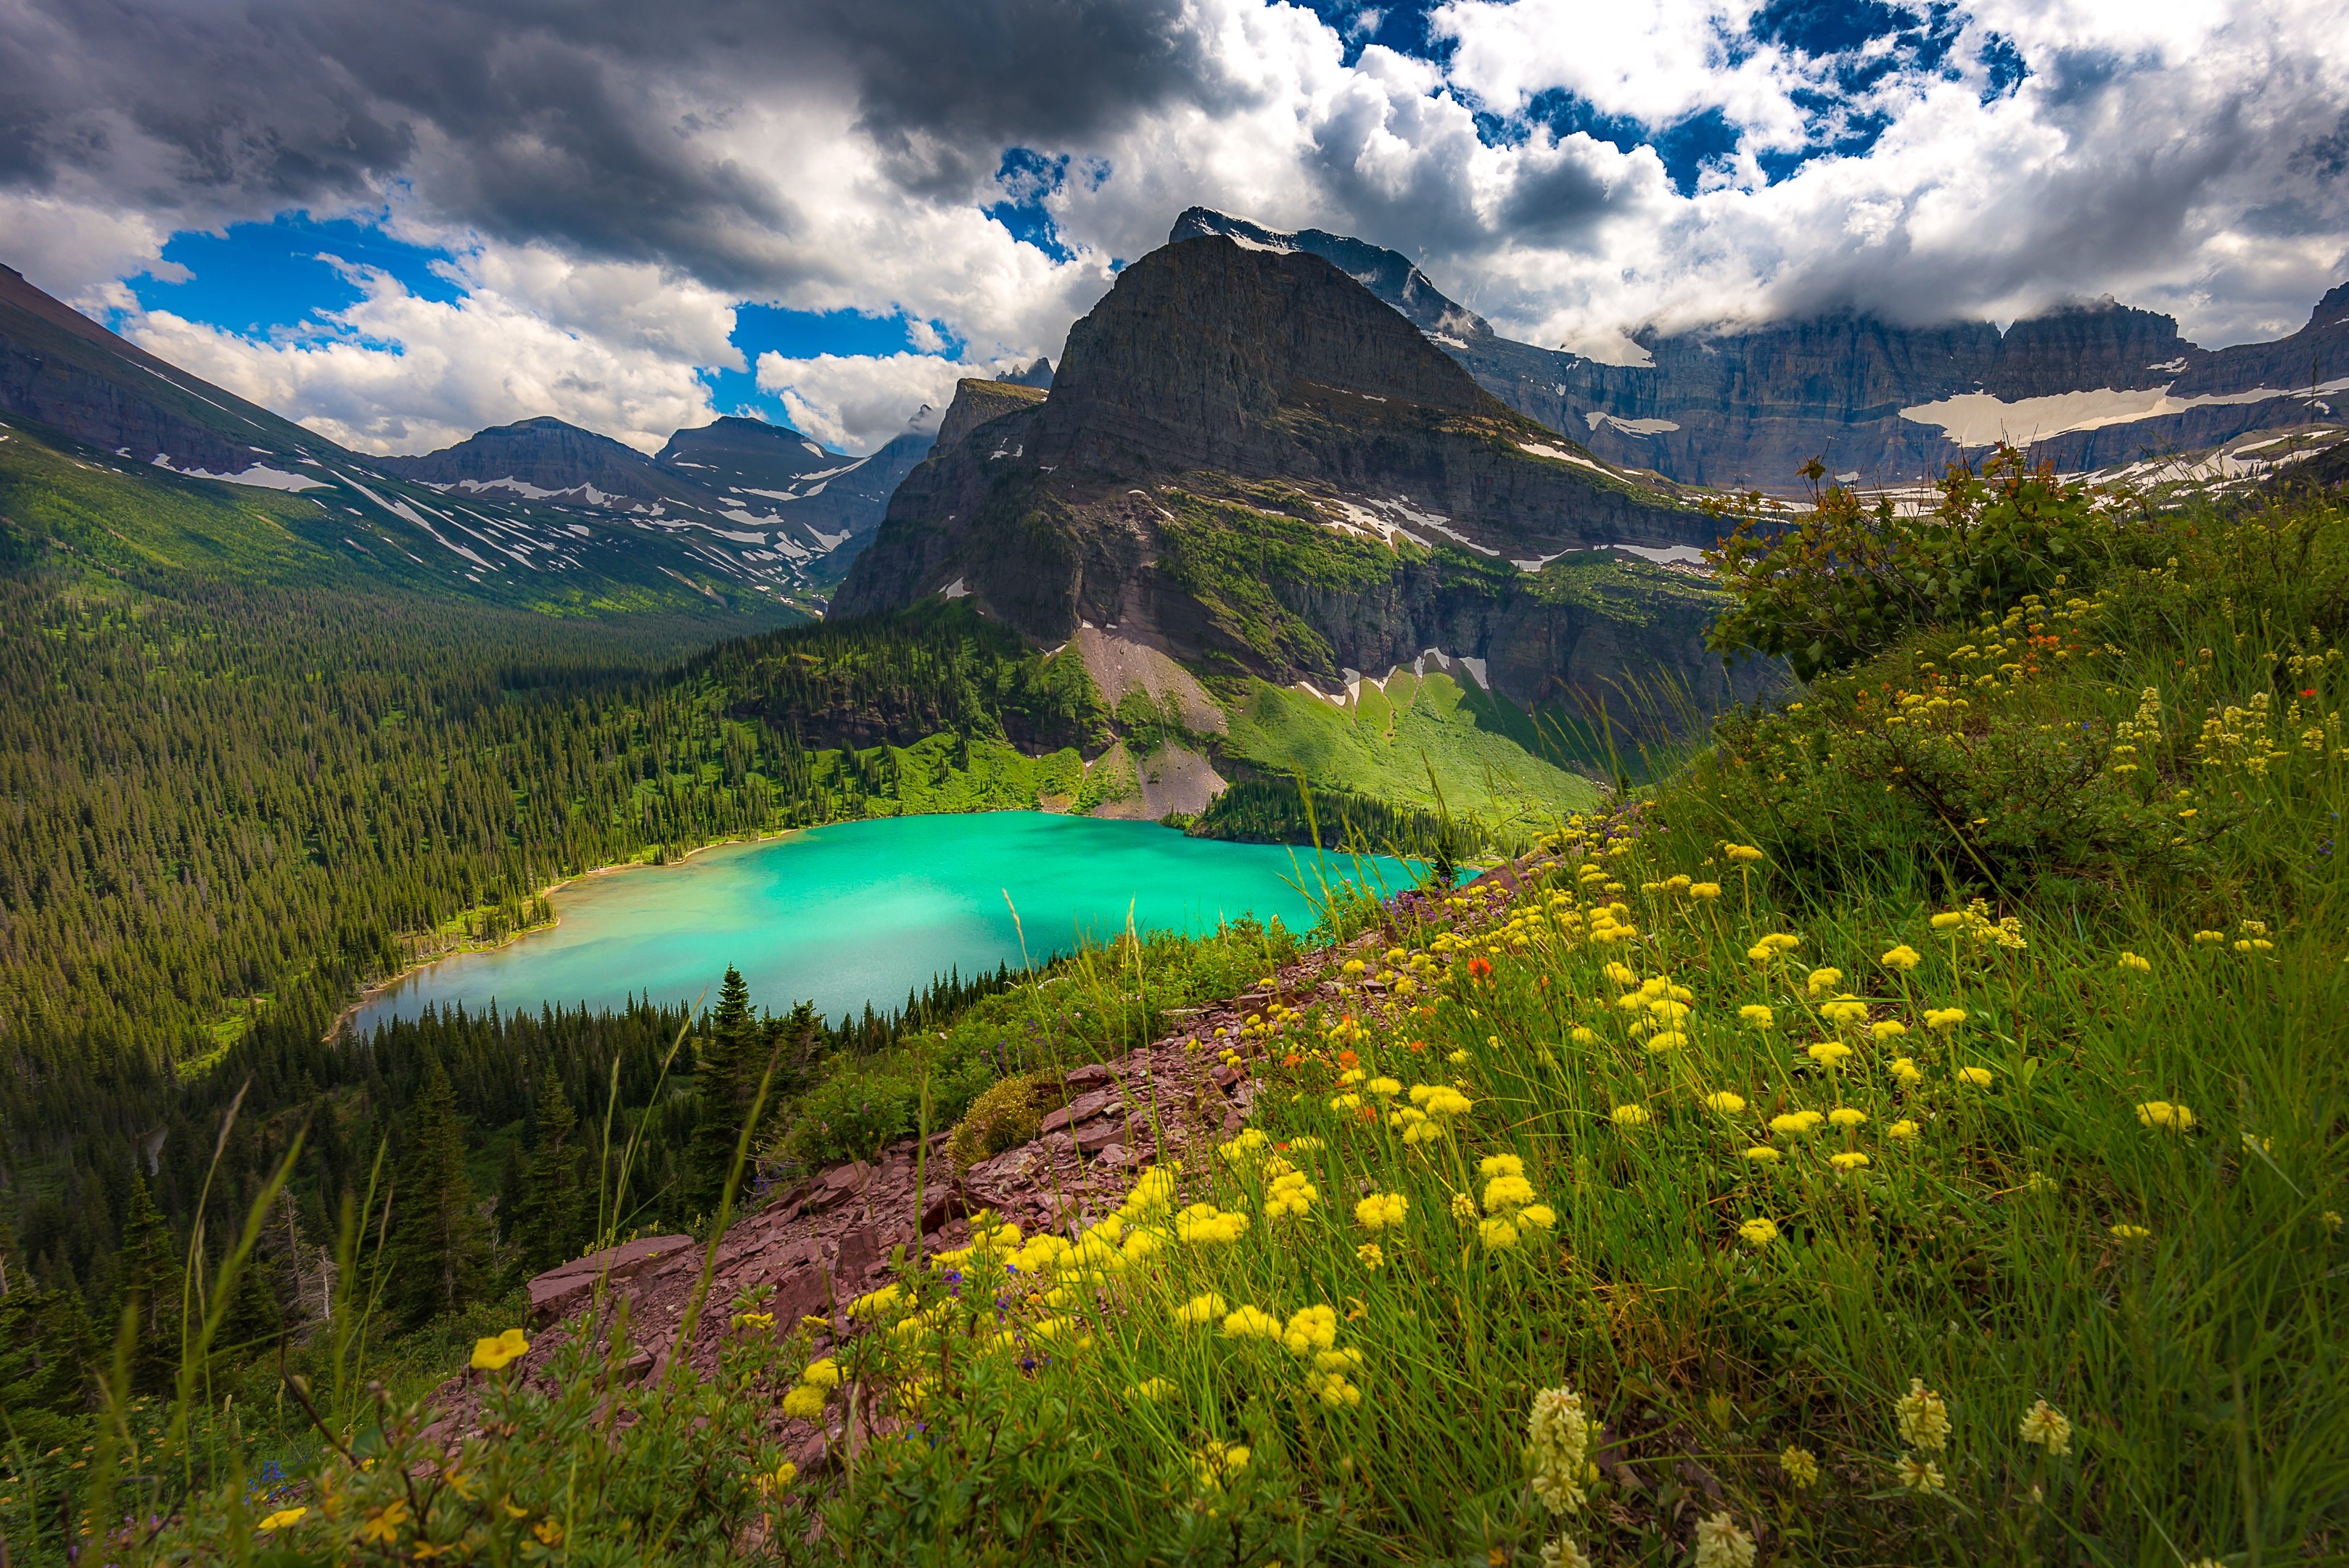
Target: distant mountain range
x,y
2091,386
734,511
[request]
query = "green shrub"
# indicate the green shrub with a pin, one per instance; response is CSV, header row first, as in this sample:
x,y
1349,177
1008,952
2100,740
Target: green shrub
x,y
1847,581
1005,1116
855,1113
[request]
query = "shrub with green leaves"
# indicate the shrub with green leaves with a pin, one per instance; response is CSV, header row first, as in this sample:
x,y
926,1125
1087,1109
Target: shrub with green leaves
x,y
1846,580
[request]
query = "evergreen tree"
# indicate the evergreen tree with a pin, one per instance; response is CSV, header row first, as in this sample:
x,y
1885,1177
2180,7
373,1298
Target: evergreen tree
x,y
550,1217
732,1061
439,1250
254,1319
150,1283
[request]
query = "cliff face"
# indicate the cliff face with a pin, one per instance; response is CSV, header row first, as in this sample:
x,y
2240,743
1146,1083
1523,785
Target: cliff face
x,y
1250,463
1869,398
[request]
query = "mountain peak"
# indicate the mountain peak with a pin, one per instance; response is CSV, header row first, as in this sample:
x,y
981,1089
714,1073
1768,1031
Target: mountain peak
x,y
1390,274
1192,356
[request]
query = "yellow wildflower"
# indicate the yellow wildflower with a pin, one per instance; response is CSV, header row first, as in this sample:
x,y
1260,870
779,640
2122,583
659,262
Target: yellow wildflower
x,y
1888,1028
803,1403
1795,1123
1725,1102
1250,1323
1903,958
1721,1544
493,1354
1844,1009
1582,1035
1631,1115
873,1303
1219,1462
382,1528
1371,1256
1755,1014
1707,890
1758,1233
2161,1113
1848,1160
1923,1419
1206,1225
1843,1116
2125,1232
1309,1330
1536,1217
2136,965
282,1519
2045,1426
1950,921
1980,1077
1500,1165
548,1532
1333,1389
1904,1130
1906,1070
1828,1053
1762,1154
1801,1465
1201,1309
1290,1194
1382,1210
1944,1019
782,1476
1497,1234
822,1373
1920,1476
1743,854
1822,980
1507,1192
1384,1088
1558,1445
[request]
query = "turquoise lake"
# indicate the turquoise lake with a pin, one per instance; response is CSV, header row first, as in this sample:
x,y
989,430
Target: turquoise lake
x,y
863,912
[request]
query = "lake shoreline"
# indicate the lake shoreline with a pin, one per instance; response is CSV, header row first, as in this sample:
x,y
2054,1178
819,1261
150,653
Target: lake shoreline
x,y
854,916
370,993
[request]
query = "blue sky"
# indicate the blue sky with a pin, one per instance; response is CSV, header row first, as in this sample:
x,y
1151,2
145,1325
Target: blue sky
x,y
826,214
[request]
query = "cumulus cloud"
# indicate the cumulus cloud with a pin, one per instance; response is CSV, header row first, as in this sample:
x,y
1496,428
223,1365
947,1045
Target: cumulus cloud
x,y
855,402
1569,171
395,372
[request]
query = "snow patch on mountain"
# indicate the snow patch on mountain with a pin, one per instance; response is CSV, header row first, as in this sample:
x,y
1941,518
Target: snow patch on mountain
x,y
1981,420
261,476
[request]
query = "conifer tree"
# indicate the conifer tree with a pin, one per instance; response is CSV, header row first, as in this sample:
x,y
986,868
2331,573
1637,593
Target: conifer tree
x,y
549,1212
732,1061
439,1256
150,1282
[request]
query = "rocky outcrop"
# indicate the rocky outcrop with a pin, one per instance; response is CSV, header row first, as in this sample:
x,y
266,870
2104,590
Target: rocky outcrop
x,y
1232,383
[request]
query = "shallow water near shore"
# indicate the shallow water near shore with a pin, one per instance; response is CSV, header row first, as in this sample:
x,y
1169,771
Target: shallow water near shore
x,y
863,912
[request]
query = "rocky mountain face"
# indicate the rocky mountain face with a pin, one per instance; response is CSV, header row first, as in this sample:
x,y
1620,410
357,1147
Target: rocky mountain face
x,y
735,507
2090,385
1249,462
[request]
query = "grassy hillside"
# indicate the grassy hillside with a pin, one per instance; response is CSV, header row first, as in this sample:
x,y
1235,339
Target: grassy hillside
x,y
1909,1133
1385,742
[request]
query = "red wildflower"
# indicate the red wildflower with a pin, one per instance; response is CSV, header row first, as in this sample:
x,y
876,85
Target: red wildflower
x,y
1480,968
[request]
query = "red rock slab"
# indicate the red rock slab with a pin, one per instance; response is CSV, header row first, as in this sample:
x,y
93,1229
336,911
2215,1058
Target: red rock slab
x,y
556,1293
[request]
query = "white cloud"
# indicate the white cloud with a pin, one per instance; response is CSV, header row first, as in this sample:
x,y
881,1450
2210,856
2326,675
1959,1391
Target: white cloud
x,y
855,402
2184,156
607,347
